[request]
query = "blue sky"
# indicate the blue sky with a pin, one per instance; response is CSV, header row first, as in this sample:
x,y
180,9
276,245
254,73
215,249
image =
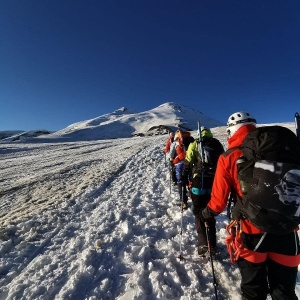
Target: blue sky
x,y
64,61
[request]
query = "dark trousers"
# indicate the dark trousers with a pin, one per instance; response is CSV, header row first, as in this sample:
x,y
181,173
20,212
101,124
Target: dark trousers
x,y
172,171
267,277
181,185
259,279
182,192
199,203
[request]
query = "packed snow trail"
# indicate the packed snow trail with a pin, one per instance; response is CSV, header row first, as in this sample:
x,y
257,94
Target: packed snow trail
x,y
96,220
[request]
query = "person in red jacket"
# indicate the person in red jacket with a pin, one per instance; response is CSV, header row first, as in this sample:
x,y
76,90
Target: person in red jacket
x,y
268,263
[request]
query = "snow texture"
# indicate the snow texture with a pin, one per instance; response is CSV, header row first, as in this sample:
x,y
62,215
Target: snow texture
x,y
96,220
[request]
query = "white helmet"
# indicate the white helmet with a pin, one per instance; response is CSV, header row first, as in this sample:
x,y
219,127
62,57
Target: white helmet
x,y
237,120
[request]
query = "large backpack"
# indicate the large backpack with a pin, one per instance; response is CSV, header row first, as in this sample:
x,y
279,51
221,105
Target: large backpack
x,y
269,175
212,149
186,139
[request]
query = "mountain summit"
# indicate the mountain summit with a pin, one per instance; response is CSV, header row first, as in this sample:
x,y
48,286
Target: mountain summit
x,y
124,123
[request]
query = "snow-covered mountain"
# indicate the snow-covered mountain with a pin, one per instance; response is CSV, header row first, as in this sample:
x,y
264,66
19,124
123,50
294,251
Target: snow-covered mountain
x,y
124,123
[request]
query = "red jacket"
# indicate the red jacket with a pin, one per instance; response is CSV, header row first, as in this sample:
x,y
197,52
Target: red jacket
x,y
226,178
180,154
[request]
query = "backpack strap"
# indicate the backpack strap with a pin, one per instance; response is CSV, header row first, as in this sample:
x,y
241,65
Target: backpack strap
x,y
241,176
230,150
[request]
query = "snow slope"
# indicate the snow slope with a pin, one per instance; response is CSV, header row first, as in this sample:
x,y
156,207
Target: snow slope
x,y
97,220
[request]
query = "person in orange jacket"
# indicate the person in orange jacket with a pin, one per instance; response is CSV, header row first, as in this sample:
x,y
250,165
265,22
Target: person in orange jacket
x,y
268,263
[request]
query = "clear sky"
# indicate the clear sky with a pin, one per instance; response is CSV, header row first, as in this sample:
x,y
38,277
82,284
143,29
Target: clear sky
x,y
64,61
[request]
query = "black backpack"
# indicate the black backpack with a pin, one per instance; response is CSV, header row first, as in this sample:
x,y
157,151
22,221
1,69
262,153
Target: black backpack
x,y
269,175
186,139
212,149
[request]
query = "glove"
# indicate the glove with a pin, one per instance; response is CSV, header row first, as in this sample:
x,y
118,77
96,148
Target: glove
x,y
206,214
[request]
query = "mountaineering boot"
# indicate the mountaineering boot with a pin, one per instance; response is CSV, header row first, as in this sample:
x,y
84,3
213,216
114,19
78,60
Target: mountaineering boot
x,y
203,250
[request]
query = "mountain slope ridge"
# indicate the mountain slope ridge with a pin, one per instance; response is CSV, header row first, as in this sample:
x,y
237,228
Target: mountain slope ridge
x,y
124,123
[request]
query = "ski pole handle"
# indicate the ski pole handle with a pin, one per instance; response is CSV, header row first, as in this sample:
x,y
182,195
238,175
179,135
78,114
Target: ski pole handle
x,y
201,150
297,124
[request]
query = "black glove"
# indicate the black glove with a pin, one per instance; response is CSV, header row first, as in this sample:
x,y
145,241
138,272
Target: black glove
x,y
207,214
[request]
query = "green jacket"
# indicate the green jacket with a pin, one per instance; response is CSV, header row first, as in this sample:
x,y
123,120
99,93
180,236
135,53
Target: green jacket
x,y
192,161
192,155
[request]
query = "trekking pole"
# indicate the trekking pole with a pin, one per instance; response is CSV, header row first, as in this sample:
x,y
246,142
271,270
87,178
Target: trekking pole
x,y
181,226
297,123
201,151
211,260
170,173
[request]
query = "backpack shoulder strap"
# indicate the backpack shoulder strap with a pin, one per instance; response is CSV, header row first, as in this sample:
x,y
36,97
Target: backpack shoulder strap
x,y
230,150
